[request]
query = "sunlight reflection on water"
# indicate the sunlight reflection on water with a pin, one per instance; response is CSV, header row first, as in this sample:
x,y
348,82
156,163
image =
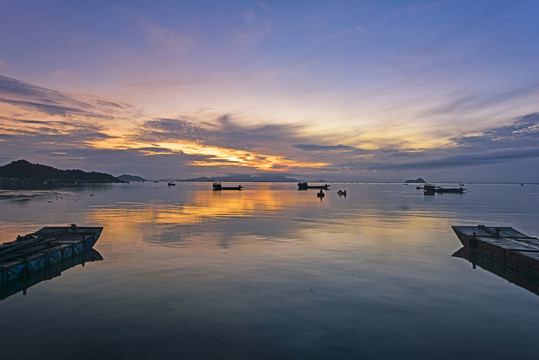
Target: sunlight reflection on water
x,y
273,272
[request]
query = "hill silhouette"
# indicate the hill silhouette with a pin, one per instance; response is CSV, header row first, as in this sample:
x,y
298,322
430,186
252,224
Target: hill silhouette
x,y
24,170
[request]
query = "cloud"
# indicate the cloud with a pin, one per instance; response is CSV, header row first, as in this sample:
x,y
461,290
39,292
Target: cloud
x,y
57,127
499,145
465,160
163,37
53,102
481,101
340,148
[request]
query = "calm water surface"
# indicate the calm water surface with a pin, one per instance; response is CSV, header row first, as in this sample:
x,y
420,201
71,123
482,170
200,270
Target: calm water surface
x,y
271,273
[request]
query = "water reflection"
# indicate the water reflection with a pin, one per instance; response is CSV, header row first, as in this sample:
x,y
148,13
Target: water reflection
x,y
47,273
272,272
499,268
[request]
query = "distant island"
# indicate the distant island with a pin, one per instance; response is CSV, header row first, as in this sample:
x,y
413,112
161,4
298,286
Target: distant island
x,y
245,178
24,172
416,181
130,178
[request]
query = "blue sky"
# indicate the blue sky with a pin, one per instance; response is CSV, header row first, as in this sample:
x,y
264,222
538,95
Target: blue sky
x,y
344,90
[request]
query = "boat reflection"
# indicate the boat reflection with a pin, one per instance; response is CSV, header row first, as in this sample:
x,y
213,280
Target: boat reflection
x,y
48,273
499,268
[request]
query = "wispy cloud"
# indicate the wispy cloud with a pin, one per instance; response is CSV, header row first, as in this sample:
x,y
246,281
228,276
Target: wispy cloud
x,y
163,37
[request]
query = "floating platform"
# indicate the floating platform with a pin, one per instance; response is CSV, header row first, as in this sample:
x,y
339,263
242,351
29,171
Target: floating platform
x,y
505,245
44,249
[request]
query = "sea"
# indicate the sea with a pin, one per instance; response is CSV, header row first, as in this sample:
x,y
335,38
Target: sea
x,y
271,272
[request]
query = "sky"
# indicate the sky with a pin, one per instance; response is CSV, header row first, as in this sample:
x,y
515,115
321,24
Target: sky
x,y
364,90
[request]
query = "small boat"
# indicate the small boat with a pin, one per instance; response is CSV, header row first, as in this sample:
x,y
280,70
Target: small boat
x,y
45,247
431,189
170,183
321,194
217,186
341,193
305,186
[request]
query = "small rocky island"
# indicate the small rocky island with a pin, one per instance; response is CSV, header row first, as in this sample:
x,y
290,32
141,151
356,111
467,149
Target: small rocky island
x,y
416,181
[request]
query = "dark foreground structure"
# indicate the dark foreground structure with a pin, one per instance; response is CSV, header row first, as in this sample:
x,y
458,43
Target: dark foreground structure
x,y
504,246
47,248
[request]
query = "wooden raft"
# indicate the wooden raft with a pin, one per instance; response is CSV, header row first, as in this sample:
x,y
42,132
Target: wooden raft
x,y
44,248
503,244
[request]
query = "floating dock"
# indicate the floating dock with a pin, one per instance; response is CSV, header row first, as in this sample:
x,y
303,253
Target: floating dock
x,y
505,245
44,249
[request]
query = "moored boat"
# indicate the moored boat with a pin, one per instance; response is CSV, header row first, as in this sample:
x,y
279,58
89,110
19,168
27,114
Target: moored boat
x,y
305,186
431,189
218,186
45,247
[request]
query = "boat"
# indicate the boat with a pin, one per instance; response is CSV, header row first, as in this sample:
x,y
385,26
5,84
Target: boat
x,y
321,194
44,248
217,186
170,183
341,193
431,189
305,186
505,245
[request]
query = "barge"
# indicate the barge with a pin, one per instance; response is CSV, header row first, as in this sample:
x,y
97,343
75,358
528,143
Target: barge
x,y
504,245
44,249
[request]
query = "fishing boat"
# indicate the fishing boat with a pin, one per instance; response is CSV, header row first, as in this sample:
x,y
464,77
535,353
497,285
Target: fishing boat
x,y
321,194
44,248
305,186
217,186
431,189
502,244
170,183
341,193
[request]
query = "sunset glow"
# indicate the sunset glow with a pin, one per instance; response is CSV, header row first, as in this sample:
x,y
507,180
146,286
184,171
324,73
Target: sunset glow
x,y
355,90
